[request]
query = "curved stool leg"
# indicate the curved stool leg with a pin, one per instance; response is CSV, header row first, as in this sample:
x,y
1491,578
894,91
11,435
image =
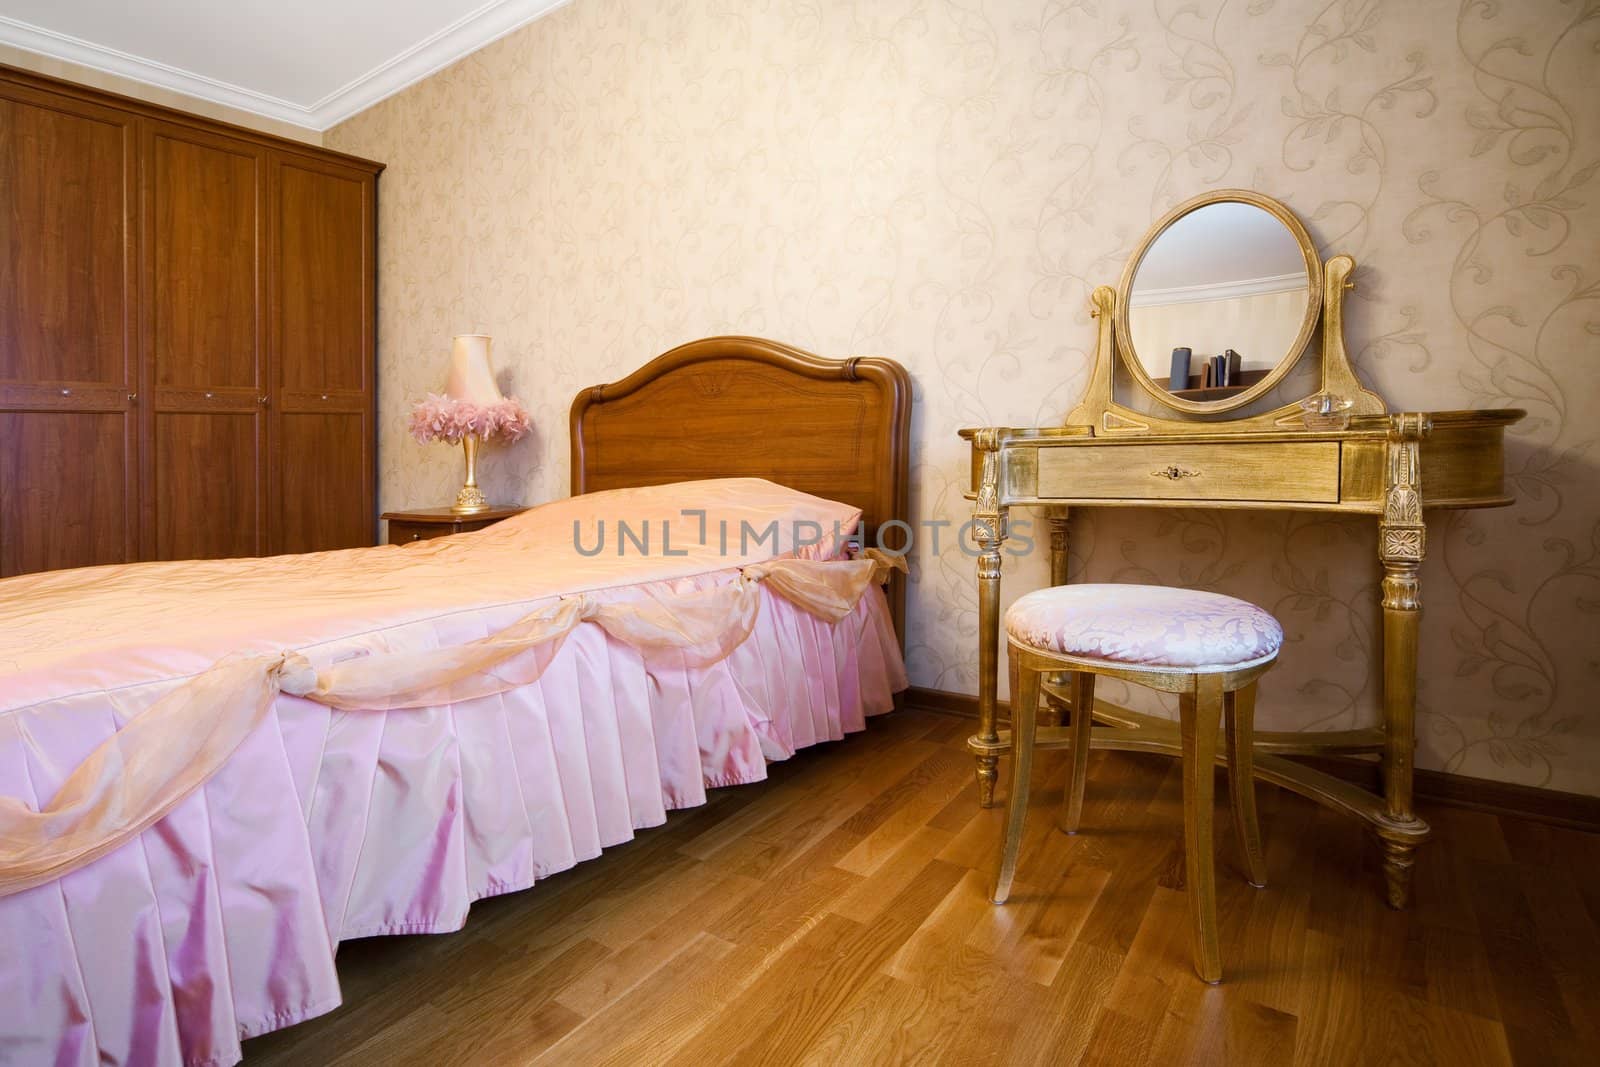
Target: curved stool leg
x,y
1013,673
1201,716
1240,709
1024,711
1082,722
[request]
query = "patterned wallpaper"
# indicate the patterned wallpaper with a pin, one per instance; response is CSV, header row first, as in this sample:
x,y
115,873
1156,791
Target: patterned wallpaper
x,y
944,182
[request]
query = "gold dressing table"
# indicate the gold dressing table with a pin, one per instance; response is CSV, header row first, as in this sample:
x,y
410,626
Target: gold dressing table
x,y
1339,451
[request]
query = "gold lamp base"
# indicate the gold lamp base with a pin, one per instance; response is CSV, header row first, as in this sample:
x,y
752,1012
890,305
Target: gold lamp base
x,y
470,500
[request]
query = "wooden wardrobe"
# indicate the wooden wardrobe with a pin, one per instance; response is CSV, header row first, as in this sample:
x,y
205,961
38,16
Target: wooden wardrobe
x,y
186,335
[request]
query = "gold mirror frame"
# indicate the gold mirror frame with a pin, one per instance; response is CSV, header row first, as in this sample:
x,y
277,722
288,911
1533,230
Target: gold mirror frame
x,y
1286,362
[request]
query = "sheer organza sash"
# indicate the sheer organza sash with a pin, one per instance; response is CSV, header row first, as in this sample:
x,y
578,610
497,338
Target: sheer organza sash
x,y
176,744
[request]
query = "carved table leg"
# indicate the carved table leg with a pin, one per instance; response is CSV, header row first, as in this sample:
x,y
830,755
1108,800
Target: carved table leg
x,y
1401,537
1054,712
989,529
1399,856
988,671
1401,608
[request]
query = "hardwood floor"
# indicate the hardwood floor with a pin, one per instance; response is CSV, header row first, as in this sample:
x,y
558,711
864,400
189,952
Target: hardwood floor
x,y
837,914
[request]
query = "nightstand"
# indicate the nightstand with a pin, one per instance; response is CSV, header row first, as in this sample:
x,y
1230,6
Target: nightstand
x,y
424,524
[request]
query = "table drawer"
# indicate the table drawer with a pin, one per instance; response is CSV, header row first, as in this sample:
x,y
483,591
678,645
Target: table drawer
x,y
402,532
1307,471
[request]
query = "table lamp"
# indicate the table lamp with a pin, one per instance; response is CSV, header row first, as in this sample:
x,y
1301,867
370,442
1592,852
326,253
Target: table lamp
x,y
471,410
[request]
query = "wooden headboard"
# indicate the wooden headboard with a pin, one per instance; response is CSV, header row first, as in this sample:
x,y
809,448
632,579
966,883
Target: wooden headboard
x,y
727,407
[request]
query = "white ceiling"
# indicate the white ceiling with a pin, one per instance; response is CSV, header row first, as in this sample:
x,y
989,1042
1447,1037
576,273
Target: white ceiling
x,y
309,62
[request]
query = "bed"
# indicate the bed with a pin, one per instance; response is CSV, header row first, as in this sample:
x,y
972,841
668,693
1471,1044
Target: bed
x,y
420,727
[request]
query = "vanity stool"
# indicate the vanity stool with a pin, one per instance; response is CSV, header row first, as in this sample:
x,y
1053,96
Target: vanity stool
x,y
1207,648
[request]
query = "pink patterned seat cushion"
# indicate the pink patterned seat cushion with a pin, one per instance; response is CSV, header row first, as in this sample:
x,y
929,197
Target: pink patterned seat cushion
x,y
1146,626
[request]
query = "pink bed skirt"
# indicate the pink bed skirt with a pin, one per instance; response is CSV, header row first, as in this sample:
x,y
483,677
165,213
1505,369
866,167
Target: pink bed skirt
x,y
221,921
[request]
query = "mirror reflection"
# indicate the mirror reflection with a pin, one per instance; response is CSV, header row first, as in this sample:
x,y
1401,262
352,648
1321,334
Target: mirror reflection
x,y
1217,301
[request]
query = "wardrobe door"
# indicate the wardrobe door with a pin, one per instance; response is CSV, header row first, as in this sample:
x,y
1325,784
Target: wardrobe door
x,y
68,435
204,344
323,347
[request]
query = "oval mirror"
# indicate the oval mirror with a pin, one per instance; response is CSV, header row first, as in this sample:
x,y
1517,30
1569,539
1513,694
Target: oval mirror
x,y
1218,301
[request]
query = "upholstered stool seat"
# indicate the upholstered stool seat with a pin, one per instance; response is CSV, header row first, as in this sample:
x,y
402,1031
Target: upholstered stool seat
x,y
1146,626
1207,648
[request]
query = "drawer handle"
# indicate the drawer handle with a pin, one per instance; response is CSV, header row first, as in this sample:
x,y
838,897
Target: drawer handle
x,y
1174,473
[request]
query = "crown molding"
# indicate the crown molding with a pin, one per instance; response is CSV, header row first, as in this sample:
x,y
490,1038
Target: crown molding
x,y
31,38
472,31
1197,294
462,37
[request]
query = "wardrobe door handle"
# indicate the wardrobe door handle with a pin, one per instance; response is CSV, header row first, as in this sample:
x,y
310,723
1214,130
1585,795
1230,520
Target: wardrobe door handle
x,y
133,398
262,400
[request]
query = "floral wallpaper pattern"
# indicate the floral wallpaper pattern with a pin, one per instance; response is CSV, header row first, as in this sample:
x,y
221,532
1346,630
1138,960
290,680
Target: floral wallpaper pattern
x,y
943,182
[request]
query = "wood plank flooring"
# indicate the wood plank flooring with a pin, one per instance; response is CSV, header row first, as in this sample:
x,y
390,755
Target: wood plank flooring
x,y
837,914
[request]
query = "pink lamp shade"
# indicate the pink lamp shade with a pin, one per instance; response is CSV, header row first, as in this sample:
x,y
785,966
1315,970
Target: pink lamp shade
x,y
471,411
472,405
471,374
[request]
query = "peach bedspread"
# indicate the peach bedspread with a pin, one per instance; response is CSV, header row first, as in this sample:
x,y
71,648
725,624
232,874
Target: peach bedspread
x,y
221,919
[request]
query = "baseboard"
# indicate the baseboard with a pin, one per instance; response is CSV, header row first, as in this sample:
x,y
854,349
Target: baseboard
x,y
1574,810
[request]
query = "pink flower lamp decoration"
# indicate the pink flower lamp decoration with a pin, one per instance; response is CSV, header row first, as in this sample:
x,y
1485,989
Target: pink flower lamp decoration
x,y
471,411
